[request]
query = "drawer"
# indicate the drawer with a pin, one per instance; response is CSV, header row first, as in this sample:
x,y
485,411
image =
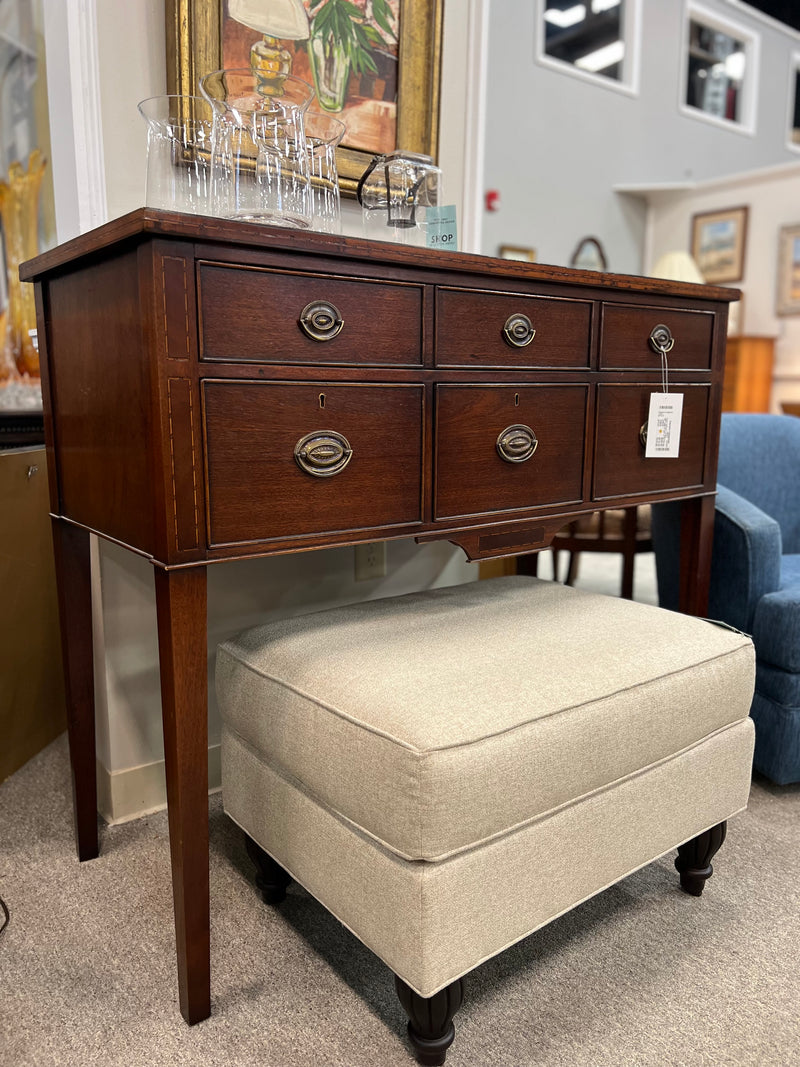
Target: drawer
x,y
471,477
625,338
257,490
254,315
620,467
470,330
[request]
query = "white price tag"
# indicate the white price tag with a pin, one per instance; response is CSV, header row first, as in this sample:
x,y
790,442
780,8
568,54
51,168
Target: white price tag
x,y
440,223
664,426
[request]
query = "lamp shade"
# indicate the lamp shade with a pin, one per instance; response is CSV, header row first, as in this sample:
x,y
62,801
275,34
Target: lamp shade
x,y
678,267
285,19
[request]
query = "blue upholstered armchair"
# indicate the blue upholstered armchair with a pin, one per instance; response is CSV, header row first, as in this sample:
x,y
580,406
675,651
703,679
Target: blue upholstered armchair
x,y
755,571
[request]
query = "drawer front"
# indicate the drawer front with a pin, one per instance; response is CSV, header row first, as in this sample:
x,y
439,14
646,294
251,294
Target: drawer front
x,y
620,466
472,477
257,490
254,315
470,330
625,338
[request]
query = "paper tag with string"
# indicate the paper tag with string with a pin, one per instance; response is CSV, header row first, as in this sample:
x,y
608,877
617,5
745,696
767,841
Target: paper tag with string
x,y
664,419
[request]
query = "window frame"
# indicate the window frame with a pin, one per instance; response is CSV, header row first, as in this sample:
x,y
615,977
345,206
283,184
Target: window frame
x,y
794,92
695,12
631,62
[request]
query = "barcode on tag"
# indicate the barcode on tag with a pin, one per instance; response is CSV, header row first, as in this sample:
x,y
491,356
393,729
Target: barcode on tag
x,y
664,426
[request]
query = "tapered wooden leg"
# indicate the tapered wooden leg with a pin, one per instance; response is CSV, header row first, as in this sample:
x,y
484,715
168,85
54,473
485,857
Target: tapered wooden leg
x,y
528,564
181,607
628,551
71,550
694,858
572,568
271,878
697,536
430,1019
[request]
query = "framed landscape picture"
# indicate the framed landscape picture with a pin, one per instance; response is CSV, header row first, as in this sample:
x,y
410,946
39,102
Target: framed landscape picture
x,y
374,64
788,302
718,244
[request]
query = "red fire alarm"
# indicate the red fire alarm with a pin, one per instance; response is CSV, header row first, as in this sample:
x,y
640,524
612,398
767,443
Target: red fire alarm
x,y
492,200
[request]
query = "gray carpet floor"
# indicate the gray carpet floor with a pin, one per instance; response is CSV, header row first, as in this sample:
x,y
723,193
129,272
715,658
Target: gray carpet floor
x,y
640,975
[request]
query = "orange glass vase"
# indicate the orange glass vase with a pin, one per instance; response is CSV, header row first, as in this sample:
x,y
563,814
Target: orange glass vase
x,y
19,212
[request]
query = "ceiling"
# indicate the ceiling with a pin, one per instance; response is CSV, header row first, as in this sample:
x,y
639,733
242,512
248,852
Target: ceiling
x,y
786,11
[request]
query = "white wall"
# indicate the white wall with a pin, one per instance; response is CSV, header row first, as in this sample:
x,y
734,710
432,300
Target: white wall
x,y
556,145
773,198
107,56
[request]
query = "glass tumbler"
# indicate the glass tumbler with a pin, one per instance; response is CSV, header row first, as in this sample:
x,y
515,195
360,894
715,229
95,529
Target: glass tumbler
x,y
179,134
323,134
260,165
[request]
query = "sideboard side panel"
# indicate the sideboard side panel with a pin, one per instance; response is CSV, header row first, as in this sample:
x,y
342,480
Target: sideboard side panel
x,y
100,390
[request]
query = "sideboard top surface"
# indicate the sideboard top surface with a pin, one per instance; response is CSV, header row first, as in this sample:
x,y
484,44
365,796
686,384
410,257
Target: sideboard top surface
x,y
149,222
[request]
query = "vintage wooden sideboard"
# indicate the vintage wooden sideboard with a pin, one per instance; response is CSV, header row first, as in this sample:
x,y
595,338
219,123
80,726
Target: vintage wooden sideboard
x,y
215,390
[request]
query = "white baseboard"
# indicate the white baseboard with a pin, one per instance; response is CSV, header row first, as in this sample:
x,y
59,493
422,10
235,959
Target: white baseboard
x,y
137,791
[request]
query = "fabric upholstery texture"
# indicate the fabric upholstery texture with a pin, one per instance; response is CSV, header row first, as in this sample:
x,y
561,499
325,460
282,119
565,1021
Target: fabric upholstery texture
x,y
759,456
755,571
436,721
448,771
433,922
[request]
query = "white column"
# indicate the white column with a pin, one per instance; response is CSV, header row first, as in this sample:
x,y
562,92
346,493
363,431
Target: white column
x,y
76,129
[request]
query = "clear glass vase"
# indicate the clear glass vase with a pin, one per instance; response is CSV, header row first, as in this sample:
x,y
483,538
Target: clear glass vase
x,y
19,211
259,161
330,67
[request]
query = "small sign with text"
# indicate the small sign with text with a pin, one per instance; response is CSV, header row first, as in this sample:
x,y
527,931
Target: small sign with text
x,y
441,227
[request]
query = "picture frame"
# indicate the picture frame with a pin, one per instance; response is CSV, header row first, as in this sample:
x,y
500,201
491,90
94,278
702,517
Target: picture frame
x,y
718,243
788,295
525,255
194,47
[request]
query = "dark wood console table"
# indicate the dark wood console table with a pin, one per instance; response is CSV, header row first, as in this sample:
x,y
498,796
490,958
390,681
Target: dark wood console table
x,y
218,390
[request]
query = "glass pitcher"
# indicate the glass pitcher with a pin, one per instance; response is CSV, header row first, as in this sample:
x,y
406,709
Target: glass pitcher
x,y
259,167
395,192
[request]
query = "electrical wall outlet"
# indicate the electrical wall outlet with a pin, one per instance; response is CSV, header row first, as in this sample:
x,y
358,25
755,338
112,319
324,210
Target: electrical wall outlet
x,y
370,561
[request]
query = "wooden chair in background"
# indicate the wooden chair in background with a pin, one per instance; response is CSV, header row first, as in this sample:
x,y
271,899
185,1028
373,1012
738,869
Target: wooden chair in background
x,y
622,530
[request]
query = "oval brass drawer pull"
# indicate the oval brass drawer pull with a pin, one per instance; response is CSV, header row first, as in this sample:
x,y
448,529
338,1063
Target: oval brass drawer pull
x,y
518,330
661,339
320,320
517,443
323,453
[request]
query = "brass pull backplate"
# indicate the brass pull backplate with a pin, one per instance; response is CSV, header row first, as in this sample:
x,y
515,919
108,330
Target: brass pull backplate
x,y
661,339
518,330
321,320
517,443
323,453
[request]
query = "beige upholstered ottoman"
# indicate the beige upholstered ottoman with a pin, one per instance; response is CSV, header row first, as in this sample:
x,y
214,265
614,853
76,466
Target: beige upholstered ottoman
x,y
450,770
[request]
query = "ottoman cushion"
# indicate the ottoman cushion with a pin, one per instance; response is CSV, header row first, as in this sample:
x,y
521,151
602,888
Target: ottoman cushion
x,y
438,721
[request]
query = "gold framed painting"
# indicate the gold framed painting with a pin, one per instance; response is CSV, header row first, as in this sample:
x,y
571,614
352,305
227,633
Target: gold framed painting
x,y
718,244
526,255
788,302
375,66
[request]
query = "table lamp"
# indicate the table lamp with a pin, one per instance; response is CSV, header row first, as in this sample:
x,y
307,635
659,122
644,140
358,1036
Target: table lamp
x,y
278,20
678,267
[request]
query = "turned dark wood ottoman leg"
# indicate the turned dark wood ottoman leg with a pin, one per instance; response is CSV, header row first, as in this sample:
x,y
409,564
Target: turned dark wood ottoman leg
x,y
271,878
430,1019
694,858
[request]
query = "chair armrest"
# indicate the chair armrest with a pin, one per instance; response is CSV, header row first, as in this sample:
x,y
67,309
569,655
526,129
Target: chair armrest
x,y
746,561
